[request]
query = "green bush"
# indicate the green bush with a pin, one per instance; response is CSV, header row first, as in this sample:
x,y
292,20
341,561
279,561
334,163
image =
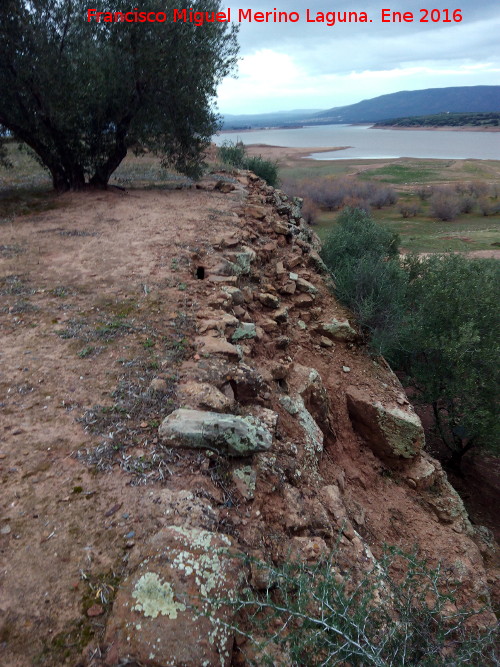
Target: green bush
x,y
450,347
435,319
235,155
314,615
362,258
265,169
232,154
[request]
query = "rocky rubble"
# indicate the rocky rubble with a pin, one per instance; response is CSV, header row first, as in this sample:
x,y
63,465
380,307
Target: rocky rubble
x,y
318,442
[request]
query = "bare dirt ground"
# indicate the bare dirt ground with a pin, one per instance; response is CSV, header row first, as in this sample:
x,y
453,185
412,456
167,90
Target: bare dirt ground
x,y
93,301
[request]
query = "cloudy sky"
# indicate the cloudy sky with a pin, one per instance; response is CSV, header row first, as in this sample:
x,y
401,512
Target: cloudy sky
x,y
315,66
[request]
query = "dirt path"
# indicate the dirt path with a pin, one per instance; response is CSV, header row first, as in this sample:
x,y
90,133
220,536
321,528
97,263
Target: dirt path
x,y
93,297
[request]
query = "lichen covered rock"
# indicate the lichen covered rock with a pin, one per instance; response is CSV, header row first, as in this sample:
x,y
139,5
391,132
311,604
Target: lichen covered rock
x,y
229,434
391,432
169,611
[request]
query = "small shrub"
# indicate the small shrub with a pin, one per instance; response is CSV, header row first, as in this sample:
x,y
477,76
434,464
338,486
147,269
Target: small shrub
x,y
232,154
266,169
409,210
424,192
235,155
467,204
362,257
485,206
383,197
444,205
315,615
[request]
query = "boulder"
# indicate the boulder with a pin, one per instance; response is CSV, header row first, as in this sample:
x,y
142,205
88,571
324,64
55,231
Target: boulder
x,y
335,329
170,608
203,395
228,434
305,286
391,432
217,346
421,472
235,294
257,212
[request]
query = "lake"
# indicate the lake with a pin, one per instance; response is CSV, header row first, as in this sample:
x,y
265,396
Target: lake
x,y
366,143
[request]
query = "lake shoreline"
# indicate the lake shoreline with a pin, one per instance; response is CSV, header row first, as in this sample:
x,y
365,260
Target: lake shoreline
x,y
446,128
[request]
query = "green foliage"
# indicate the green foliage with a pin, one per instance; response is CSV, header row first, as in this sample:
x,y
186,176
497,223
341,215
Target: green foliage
x,y
434,318
450,349
266,169
470,119
362,258
81,93
321,616
235,155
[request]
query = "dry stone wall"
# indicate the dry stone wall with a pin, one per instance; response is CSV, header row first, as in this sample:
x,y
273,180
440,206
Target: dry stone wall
x,y
319,444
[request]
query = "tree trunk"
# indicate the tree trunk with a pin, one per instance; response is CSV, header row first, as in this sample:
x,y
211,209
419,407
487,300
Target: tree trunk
x,y
455,461
103,171
66,177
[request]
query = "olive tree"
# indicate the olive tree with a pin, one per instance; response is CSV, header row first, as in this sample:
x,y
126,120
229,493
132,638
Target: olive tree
x,y
450,348
80,93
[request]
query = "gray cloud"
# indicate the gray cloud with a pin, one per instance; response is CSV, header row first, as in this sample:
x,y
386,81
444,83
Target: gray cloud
x,y
319,51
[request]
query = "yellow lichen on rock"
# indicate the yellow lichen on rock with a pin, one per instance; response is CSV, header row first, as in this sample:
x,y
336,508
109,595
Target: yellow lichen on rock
x,y
154,597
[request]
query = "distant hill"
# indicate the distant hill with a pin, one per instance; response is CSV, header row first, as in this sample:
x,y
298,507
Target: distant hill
x,y
416,103
273,119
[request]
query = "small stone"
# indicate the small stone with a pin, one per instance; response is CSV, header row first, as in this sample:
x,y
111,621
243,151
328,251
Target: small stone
x,y
257,212
158,386
217,346
305,286
224,187
231,434
269,300
5,530
244,479
235,294
288,288
304,300
282,342
130,535
294,261
337,330
95,610
346,369
293,276
144,424
281,315
326,342
280,269
245,331
302,325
